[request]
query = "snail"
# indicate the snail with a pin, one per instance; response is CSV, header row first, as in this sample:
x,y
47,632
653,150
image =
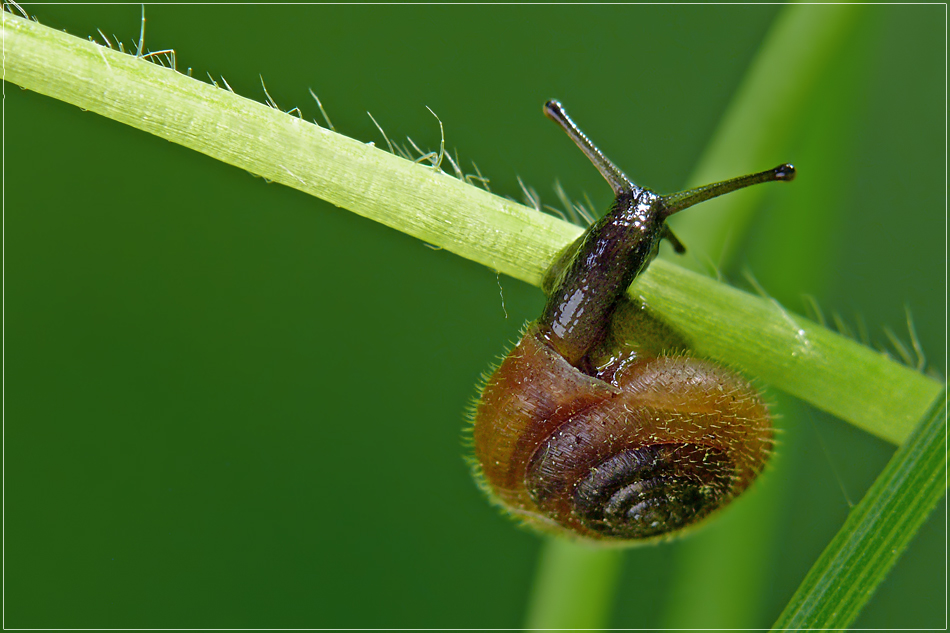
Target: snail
x,y
599,425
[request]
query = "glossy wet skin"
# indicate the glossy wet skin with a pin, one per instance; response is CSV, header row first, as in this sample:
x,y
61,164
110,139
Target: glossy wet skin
x,y
623,242
616,248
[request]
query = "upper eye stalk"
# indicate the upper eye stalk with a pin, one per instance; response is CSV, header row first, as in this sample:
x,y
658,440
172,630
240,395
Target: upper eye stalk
x,y
668,204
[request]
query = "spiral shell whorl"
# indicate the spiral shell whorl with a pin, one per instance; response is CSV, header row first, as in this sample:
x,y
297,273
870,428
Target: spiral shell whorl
x,y
653,490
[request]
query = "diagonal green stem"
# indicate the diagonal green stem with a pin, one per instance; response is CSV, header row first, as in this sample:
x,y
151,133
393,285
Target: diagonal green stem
x,y
761,119
876,532
790,352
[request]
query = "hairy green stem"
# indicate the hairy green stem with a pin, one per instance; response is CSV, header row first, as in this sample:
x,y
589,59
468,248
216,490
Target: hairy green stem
x,y
790,352
417,200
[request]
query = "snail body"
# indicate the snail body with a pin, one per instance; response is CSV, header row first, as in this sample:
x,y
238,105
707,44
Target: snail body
x,y
599,424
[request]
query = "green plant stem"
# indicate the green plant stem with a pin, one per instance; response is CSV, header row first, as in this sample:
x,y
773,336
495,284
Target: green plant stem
x,y
876,532
758,123
417,200
774,345
574,586
793,354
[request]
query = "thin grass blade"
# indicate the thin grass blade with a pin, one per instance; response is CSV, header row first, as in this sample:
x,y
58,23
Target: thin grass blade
x,y
876,532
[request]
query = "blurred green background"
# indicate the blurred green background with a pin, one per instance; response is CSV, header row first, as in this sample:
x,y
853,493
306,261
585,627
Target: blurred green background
x,y
229,404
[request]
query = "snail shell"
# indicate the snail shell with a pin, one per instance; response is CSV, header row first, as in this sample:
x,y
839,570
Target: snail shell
x,y
659,446
598,424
